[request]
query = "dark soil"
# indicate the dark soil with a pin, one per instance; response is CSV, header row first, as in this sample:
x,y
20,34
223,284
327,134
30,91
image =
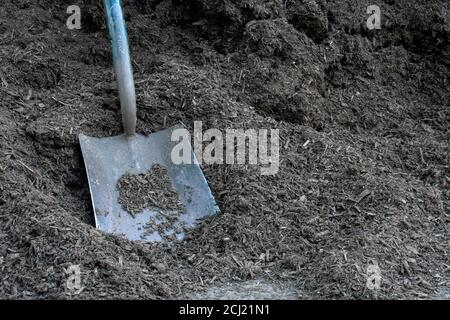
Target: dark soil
x,y
151,190
364,127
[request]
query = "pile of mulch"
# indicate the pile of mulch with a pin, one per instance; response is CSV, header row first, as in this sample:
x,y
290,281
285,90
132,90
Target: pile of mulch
x,y
364,159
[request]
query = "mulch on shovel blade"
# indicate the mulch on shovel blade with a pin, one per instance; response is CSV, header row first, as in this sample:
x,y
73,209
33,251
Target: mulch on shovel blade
x,y
149,190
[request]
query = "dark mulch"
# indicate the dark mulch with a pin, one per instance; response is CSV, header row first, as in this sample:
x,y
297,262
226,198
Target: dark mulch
x,y
364,128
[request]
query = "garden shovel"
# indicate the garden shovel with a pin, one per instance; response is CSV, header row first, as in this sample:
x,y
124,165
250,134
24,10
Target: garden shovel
x,y
108,159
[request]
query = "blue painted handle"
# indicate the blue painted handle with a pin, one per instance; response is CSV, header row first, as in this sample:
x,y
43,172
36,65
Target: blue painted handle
x,y
122,64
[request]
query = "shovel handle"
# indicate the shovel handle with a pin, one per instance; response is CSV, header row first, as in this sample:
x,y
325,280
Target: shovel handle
x,y
122,64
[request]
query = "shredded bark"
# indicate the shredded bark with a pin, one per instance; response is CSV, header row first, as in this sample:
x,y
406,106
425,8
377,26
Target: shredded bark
x,y
151,190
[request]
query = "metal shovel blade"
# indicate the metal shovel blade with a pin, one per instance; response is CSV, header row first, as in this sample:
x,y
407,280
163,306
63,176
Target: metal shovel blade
x,y
108,159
